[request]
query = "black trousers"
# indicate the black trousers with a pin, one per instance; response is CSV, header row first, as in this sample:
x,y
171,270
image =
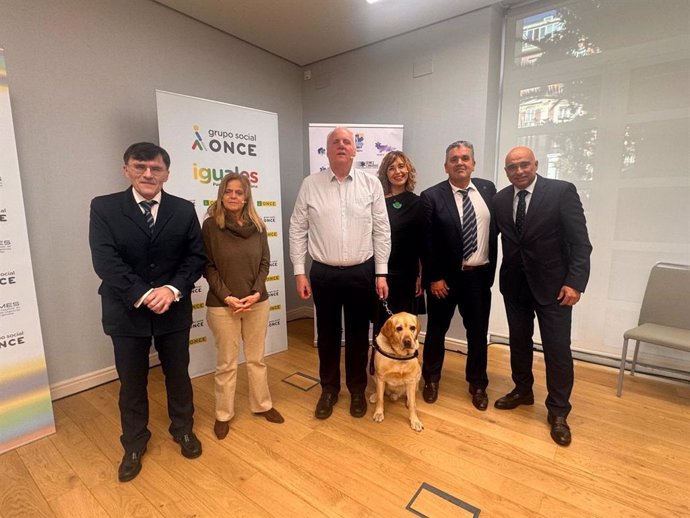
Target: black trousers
x,y
554,324
132,364
343,290
470,292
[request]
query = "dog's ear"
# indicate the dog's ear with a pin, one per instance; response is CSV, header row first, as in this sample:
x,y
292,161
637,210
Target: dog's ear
x,y
418,326
388,329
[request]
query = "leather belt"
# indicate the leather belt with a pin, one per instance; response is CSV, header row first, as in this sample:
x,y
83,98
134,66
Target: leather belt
x,y
469,268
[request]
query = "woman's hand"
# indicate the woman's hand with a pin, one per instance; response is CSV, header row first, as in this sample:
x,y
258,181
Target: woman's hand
x,y
244,304
233,302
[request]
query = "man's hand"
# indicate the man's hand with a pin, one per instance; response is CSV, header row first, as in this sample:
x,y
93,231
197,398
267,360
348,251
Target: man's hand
x,y
303,286
382,288
439,289
159,300
568,296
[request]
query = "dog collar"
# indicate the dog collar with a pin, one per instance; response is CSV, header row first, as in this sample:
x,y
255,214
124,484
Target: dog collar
x,y
392,357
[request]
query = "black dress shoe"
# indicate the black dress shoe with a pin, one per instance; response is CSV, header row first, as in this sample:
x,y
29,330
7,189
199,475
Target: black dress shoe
x,y
514,399
560,431
479,398
130,465
324,408
190,446
430,392
358,405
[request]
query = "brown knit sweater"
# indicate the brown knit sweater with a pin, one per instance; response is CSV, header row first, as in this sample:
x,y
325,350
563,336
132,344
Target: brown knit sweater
x,y
238,261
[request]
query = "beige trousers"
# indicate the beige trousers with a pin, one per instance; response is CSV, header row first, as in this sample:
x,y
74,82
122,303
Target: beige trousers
x,y
227,330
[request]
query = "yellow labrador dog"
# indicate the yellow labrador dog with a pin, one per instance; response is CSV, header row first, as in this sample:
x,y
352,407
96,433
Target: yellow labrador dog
x,y
397,367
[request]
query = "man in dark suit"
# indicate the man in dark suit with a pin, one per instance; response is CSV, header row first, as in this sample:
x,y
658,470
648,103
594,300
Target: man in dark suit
x,y
545,268
458,267
146,247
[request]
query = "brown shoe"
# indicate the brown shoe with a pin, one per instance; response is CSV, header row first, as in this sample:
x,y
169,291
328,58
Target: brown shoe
x,y
221,429
272,416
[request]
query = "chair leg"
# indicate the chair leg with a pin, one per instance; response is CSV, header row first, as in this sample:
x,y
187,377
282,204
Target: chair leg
x,y
634,362
621,371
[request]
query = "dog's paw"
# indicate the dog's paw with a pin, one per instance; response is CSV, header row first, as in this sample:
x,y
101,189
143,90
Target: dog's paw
x,y
378,417
417,425
393,396
372,398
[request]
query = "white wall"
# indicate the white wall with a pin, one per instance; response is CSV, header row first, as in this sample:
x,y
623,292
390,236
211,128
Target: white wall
x,y
82,75
458,100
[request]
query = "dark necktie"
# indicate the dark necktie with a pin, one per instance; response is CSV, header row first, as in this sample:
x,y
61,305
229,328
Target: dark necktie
x,y
147,205
469,226
520,212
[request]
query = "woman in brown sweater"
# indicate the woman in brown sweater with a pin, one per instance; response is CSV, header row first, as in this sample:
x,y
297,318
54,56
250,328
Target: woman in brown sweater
x,y
237,302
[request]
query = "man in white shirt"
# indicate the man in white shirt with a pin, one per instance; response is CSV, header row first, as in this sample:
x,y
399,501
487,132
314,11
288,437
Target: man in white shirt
x,y
340,219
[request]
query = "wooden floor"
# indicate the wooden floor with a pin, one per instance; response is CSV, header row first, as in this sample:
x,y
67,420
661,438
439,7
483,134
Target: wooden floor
x,y
630,457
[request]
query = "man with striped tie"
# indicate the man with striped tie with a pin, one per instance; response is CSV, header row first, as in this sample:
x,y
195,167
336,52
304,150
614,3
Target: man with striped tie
x,y
458,267
147,249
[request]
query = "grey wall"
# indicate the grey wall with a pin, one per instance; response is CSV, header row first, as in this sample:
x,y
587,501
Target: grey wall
x,y
82,75
458,100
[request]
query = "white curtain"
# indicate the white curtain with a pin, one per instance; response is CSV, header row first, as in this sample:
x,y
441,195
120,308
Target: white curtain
x,y
601,91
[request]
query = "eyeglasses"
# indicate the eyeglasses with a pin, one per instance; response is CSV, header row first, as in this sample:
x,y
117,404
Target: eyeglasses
x,y
511,168
140,168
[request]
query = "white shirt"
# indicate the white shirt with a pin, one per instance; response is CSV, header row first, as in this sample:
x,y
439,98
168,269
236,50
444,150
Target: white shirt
x,y
483,216
340,223
516,198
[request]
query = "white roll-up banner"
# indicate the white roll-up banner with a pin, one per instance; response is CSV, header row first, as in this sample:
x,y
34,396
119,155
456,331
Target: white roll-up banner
x,y
207,140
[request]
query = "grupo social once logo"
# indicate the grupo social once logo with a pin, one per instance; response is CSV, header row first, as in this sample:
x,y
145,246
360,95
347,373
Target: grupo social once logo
x,y
223,141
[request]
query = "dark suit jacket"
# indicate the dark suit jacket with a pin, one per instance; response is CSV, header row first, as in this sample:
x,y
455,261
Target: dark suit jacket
x,y
130,261
442,236
554,248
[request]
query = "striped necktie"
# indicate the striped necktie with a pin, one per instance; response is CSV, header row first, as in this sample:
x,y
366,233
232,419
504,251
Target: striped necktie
x,y
469,226
147,205
520,212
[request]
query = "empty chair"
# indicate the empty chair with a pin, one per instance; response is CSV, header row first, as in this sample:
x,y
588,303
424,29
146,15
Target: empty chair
x,y
664,315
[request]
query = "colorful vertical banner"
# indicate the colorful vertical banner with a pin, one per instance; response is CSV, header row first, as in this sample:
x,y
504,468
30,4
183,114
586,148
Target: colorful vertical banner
x,y
26,411
207,140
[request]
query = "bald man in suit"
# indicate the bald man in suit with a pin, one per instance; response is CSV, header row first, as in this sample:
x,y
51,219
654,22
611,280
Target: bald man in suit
x,y
545,269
